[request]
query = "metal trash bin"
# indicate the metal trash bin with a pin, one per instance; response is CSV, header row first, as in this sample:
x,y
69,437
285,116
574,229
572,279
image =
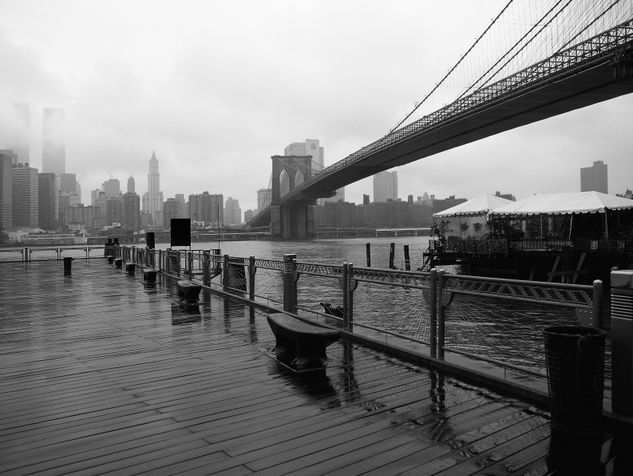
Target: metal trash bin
x,y
68,262
574,357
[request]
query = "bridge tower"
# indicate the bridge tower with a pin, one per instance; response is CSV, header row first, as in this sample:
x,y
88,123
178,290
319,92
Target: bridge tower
x,y
292,220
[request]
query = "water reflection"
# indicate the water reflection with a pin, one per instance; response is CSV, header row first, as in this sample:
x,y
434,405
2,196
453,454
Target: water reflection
x,y
185,313
313,383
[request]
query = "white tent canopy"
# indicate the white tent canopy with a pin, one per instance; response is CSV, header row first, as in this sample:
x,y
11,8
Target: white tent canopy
x,y
479,205
564,204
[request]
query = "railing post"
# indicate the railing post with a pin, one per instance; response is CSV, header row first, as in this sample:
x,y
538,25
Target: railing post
x,y
190,263
407,259
161,259
251,277
345,289
433,312
597,319
206,268
225,272
290,283
441,329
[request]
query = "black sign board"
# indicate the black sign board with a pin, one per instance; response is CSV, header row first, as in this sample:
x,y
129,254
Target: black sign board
x,y
180,232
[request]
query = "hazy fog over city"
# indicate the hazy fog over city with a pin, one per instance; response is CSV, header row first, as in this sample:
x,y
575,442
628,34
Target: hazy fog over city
x,y
216,88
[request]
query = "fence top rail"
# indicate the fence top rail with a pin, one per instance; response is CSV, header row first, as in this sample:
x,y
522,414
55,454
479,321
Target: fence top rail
x,y
449,277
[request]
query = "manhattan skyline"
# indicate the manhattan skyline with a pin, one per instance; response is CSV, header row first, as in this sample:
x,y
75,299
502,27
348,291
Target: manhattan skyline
x,y
161,79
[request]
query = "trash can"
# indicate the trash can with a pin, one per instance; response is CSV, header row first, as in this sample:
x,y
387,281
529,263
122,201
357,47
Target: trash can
x,y
574,357
68,262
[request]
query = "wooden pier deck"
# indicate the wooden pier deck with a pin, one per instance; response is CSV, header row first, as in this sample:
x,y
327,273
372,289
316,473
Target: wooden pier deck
x,y
100,373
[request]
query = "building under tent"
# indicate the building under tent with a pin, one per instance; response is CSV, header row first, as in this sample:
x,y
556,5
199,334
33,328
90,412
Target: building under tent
x,y
568,237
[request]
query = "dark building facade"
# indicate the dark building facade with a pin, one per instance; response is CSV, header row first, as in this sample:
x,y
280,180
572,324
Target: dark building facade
x,y
47,201
131,211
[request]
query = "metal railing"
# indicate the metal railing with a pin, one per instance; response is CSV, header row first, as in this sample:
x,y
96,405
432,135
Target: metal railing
x,y
43,253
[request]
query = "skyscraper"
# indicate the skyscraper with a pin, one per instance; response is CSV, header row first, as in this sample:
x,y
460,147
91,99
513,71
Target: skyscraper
x,y
232,212
131,211
6,189
48,211
112,188
154,195
385,186
594,178
25,196
131,185
53,141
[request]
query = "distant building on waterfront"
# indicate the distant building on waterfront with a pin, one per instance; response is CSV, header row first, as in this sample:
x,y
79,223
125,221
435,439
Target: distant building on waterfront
x,y
207,208
24,183
112,188
6,189
594,178
154,203
131,185
48,211
171,209
131,210
507,196
19,132
264,196
89,218
53,141
386,186
232,212
249,215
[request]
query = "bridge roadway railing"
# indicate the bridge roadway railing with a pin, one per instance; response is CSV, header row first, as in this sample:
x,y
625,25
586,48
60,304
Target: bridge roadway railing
x,y
603,46
496,322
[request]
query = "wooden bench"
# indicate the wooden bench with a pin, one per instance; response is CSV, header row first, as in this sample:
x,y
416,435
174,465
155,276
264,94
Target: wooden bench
x,y
188,291
300,343
130,268
118,263
149,275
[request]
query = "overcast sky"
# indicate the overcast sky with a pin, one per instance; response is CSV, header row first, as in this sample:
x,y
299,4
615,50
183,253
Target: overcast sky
x,y
217,87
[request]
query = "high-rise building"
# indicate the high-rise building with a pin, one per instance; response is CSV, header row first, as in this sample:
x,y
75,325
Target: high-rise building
x,y
182,205
131,211
68,183
112,188
113,211
207,208
171,209
594,178
312,148
53,141
131,185
24,183
19,131
6,189
385,186
154,195
232,212
48,211
264,196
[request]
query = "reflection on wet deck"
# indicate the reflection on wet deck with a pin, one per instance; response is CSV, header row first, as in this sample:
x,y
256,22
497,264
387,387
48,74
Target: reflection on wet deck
x,y
103,373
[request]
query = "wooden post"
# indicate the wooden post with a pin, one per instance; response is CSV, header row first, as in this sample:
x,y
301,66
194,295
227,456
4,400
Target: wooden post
x,y
206,268
433,312
290,283
368,254
189,256
407,261
225,272
441,328
597,318
251,278
392,253
345,290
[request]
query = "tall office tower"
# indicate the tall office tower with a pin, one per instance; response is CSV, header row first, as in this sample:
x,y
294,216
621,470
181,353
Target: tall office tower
x,y
232,212
131,185
154,195
6,189
24,182
48,211
20,132
94,196
68,183
182,205
131,211
594,178
264,196
171,209
53,141
386,186
210,208
112,188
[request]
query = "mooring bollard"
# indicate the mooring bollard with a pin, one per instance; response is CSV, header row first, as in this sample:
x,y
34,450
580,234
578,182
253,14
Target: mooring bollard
x,y
407,259
68,262
368,254
392,253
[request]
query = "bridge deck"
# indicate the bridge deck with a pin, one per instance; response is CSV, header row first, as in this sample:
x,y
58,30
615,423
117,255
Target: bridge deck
x,y
101,374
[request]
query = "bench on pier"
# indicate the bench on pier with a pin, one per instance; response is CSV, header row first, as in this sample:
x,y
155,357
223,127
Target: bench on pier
x,y
118,262
149,275
130,268
188,291
300,343
110,259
